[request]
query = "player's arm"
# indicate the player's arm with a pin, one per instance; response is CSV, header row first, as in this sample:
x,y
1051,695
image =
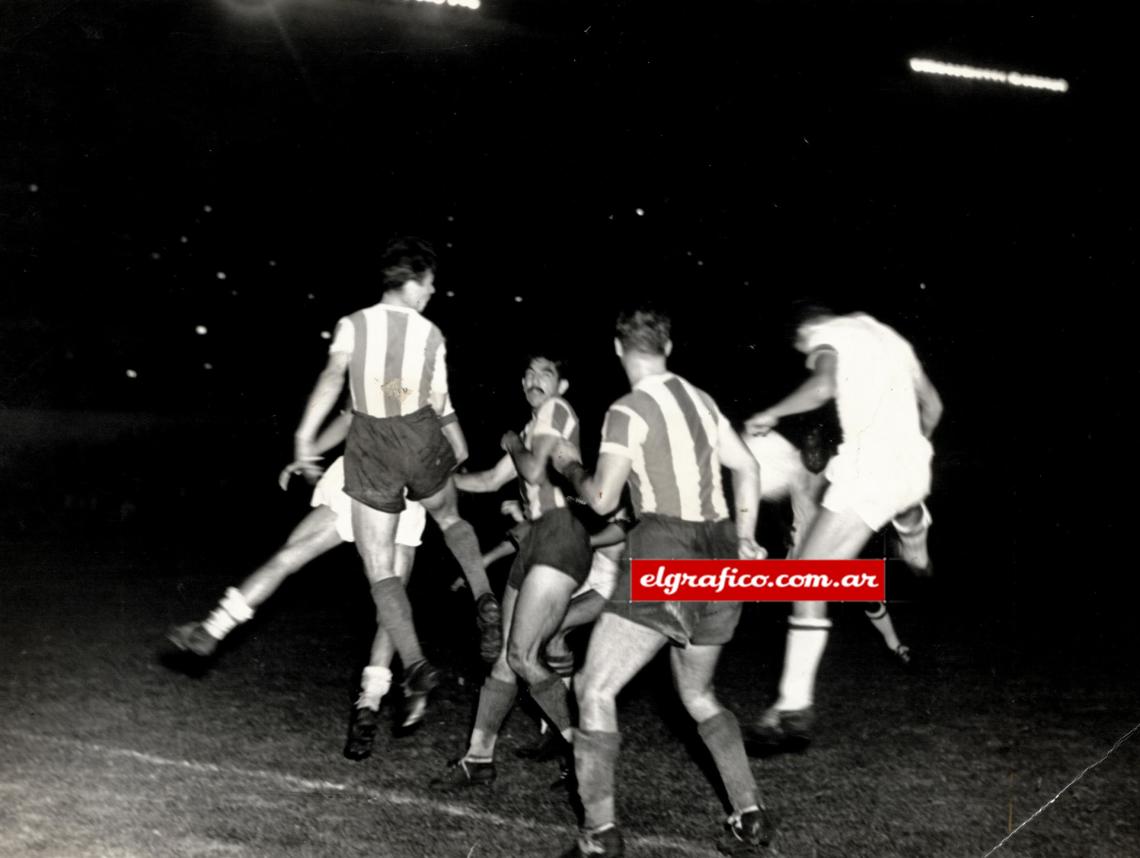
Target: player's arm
x,y
488,481
453,432
334,433
929,404
816,390
530,464
609,535
504,549
326,393
601,490
745,487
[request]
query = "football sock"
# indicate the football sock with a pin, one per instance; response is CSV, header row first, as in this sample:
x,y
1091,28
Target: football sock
x,y
232,610
806,640
464,545
496,698
721,735
552,698
880,618
374,684
595,756
394,615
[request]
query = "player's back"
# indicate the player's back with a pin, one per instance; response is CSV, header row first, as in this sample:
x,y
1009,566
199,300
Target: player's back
x,y
669,429
398,359
876,371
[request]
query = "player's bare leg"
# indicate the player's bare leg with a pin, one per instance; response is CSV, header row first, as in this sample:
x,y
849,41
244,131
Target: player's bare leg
x,y
749,827
313,536
376,680
788,723
464,546
912,527
375,532
618,650
583,609
496,699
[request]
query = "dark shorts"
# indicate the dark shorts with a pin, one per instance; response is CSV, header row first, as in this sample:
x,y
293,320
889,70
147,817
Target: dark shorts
x,y
385,455
559,540
684,623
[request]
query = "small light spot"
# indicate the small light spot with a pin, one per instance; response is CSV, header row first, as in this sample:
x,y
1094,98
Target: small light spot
x,y
640,212
921,285
207,366
200,330
155,255
518,299
311,297
33,188
184,239
450,293
233,292
451,218
700,262
132,374
207,209
325,335
221,275
272,263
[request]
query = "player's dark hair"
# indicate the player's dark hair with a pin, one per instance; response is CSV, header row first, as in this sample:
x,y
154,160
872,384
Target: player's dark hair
x,y
644,329
820,442
405,258
804,311
555,359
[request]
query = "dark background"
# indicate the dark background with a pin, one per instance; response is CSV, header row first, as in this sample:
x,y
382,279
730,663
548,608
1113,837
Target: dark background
x,y
776,150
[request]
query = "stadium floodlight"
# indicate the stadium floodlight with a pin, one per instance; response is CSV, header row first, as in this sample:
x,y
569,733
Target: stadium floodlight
x,y
464,4
1030,81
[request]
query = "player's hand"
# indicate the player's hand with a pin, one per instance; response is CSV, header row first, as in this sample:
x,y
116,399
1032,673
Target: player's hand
x,y
760,424
509,440
750,549
564,454
311,471
513,509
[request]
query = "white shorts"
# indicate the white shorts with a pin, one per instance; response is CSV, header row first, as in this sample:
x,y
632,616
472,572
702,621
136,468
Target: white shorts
x,y
603,576
878,487
330,492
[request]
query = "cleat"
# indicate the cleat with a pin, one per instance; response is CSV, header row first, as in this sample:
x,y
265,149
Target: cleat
x,y
361,733
903,657
780,732
419,682
599,844
489,619
549,746
193,638
746,834
464,773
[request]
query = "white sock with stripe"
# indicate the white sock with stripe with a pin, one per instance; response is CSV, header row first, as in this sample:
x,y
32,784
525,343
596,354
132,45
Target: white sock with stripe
x,y
880,618
806,641
232,611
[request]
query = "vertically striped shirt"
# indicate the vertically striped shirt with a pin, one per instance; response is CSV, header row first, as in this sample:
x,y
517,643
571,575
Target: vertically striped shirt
x,y
398,359
554,417
668,429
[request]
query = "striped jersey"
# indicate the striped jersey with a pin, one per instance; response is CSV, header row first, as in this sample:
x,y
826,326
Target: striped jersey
x,y
554,417
669,429
398,359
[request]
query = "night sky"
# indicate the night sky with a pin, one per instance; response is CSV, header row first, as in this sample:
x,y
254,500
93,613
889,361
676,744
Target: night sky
x,y
169,165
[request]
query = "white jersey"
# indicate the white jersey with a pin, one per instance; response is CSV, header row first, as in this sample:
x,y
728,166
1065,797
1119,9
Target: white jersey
x,y
876,373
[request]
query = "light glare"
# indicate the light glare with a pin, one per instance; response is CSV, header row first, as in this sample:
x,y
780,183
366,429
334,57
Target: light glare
x,y
925,66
